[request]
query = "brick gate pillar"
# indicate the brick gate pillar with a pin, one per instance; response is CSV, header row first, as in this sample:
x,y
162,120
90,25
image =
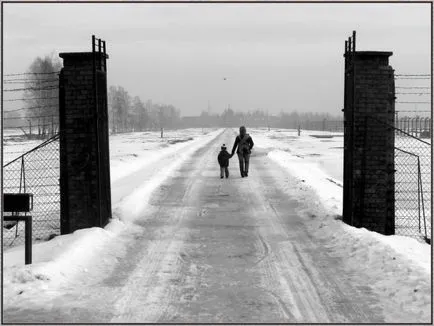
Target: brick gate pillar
x,y
84,149
370,183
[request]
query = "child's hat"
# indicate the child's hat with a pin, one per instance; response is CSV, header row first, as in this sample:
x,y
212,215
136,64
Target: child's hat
x,y
223,147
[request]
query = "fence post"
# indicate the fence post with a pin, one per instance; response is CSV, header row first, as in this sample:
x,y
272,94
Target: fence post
x,y
28,240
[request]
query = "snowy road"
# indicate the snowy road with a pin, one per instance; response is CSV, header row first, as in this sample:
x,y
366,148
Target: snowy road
x,y
218,251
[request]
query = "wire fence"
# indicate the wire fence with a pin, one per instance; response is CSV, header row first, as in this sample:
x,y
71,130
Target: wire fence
x,y
37,172
412,157
413,188
413,96
31,150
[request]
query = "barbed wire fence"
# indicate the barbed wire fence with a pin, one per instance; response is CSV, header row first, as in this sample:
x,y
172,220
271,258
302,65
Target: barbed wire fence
x,y
413,104
31,151
20,116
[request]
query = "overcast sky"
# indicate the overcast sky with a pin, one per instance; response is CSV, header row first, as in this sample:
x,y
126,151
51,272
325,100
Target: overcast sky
x,y
274,56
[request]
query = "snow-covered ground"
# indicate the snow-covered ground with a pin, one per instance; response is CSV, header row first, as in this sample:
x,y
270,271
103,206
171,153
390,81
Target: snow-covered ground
x,y
61,258
319,162
316,164
15,144
316,161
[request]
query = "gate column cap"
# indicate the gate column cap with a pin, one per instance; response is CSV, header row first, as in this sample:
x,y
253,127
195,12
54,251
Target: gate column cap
x,y
366,54
374,53
81,55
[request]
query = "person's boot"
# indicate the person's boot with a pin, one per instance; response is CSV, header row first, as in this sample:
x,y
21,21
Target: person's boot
x,y
246,168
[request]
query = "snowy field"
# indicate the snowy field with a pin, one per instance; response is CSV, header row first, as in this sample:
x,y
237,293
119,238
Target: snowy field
x,y
316,163
15,144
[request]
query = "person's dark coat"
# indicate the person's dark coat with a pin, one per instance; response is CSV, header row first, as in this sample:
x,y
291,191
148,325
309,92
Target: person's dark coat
x,y
223,158
247,139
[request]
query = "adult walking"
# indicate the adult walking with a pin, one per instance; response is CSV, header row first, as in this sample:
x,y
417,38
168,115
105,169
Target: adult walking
x,y
245,144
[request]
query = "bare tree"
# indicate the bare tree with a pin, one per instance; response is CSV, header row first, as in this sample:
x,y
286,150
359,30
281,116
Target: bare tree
x,y
119,109
41,93
140,114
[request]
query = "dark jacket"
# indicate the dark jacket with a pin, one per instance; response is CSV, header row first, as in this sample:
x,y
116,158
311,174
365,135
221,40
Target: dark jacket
x,y
223,158
249,141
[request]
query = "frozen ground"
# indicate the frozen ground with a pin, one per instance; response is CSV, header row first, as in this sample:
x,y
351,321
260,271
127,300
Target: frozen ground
x,y
189,247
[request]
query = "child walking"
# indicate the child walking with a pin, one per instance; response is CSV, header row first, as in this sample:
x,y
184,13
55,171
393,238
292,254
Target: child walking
x,y
223,159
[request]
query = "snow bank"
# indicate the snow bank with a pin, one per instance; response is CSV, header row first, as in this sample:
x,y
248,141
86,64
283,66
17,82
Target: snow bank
x,y
398,268
54,262
328,189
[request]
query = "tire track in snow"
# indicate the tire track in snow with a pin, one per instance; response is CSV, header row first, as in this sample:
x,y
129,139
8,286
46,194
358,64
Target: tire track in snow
x,y
157,294
329,297
293,307
288,313
266,249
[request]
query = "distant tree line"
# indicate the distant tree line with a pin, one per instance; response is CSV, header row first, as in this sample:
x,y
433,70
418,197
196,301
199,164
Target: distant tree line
x,y
127,113
258,118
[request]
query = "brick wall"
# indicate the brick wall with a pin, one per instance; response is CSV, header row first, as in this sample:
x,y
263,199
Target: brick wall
x,y
83,146
372,179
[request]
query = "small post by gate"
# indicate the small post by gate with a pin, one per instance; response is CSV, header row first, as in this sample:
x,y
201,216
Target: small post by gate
x,y
15,204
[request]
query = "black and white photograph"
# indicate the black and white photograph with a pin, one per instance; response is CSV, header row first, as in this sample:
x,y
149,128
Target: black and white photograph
x,y
216,162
